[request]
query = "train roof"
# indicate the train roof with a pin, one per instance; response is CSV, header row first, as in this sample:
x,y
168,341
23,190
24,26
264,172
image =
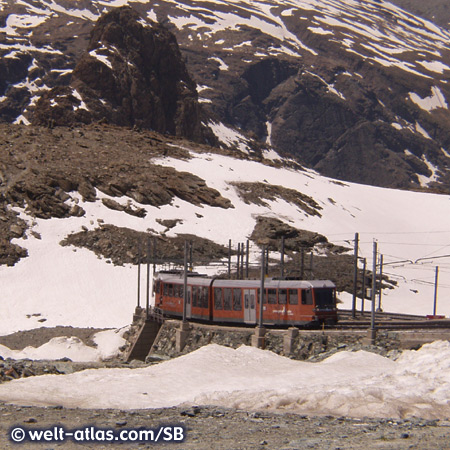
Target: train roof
x,y
269,283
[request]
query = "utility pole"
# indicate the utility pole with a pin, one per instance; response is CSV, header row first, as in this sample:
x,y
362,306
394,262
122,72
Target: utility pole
x,y
247,256
191,256
148,276
302,264
185,292
436,277
229,258
139,276
363,294
238,272
154,255
261,290
355,274
374,287
381,281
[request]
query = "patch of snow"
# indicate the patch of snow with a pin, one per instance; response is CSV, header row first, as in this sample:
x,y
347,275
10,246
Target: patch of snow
x,y
222,65
434,101
422,131
229,136
424,180
21,120
108,344
269,133
351,384
319,30
82,105
102,58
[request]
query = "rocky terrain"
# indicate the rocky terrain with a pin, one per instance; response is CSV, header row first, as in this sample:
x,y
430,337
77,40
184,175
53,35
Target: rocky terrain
x,y
224,429
47,171
356,90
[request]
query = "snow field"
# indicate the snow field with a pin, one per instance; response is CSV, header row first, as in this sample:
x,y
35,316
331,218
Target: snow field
x,y
358,384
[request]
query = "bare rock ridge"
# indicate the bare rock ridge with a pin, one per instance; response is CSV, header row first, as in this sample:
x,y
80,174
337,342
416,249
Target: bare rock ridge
x,y
132,74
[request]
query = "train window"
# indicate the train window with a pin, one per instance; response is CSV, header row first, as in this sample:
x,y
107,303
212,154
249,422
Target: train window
x,y
307,297
282,296
258,295
272,296
293,296
200,297
156,286
165,289
170,290
227,299
195,301
217,298
204,297
237,299
324,298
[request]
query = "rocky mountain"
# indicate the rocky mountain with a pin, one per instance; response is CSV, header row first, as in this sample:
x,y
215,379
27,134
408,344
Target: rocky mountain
x,y
132,74
356,90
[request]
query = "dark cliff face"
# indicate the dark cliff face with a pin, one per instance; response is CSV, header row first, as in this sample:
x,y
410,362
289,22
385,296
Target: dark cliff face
x,y
132,74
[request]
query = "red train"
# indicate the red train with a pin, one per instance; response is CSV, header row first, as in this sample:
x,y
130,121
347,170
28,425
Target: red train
x,y
286,302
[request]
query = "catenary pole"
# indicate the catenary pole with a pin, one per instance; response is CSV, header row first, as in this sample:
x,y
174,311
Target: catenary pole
x,y
374,286
147,296
355,274
247,256
363,293
185,293
436,278
261,289
139,277
381,280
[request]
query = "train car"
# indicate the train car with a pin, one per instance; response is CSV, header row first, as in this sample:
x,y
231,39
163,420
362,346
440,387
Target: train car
x,y
286,302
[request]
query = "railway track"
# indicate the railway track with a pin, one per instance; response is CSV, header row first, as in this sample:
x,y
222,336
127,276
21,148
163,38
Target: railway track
x,y
388,321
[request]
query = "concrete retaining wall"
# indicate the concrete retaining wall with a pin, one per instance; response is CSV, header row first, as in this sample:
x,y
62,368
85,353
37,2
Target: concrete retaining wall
x,y
173,341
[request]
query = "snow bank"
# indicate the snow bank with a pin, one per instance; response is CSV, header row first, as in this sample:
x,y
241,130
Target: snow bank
x,y
358,384
108,344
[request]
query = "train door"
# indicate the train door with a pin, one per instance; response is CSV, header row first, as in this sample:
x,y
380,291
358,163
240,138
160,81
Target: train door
x,y
307,310
249,305
189,303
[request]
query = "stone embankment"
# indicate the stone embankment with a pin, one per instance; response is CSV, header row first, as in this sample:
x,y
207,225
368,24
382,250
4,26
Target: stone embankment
x,y
175,339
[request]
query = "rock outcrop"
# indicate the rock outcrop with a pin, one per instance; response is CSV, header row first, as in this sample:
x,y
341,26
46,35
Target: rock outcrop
x,y
132,74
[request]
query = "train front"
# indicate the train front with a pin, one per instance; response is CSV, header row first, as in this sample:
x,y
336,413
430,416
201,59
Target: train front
x,y
325,309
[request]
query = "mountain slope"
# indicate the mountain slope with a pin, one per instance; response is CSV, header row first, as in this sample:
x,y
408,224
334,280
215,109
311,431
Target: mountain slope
x,y
356,90
84,237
